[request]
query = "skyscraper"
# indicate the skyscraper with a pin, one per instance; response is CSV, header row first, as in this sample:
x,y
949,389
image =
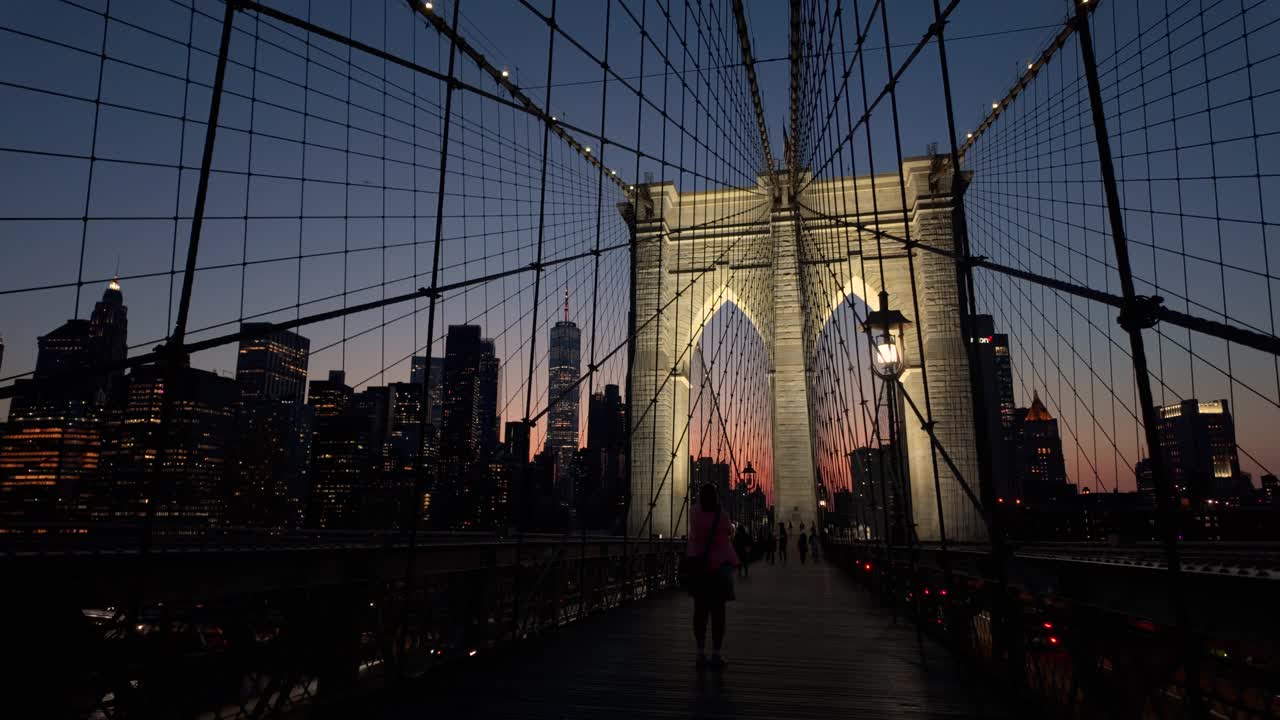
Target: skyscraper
x,y
109,330
1198,442
418,372
336,455
452,498
516,441
563,373
1040,467
272,364
490,379
463,352
606,419
184,470
52,450
270,480
995,370
404,438
605,457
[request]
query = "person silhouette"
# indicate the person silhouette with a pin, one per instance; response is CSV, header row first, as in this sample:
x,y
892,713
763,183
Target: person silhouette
x,y
768,543
782,543
742,545
804,546
711,561
815,544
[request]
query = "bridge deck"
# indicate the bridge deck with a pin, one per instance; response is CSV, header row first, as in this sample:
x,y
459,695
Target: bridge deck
x,y
803,642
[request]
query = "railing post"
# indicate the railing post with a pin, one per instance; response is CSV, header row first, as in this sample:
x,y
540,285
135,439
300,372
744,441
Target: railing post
x,y
1135,316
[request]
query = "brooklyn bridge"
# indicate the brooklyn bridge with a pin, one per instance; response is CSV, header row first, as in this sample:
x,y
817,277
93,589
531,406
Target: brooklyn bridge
x,y
367,359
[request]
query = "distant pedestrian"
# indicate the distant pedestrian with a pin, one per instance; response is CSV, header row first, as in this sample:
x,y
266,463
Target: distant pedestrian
x,y
768,543
782,543
804,547
815,544
742,544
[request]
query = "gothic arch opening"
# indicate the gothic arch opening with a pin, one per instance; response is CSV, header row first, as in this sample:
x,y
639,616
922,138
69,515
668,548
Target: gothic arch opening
x,y
730,426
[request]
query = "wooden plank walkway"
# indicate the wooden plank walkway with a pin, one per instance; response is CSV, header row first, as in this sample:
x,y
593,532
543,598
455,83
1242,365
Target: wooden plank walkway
x,y
803,642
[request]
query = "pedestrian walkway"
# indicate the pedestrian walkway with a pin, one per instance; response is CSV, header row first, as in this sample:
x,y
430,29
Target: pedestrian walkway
x,y
803,642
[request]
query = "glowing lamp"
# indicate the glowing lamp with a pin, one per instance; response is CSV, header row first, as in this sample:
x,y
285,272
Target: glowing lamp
x,y
884,327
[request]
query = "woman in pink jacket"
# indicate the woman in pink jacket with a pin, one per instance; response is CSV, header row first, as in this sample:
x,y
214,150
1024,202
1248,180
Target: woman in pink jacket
x,y
710,537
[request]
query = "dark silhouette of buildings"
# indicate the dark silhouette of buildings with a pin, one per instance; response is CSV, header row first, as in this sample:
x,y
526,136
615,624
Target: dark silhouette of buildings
x,y
1198,446
461,466
338,461
463,349
602,480
270,479
1040,468
180,466
876,497
490,379
707,470
435,393
51,451
995,370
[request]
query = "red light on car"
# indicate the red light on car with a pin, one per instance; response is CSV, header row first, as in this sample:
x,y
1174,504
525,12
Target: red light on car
x,y
942,592
1048,626
1053,640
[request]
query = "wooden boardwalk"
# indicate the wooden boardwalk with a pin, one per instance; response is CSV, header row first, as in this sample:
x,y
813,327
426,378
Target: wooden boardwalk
x,y
803,642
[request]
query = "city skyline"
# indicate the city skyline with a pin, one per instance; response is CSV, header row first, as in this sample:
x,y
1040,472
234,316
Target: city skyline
x,y
280,263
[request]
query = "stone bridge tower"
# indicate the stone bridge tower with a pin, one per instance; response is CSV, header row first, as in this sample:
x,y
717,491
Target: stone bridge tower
x,y
788,262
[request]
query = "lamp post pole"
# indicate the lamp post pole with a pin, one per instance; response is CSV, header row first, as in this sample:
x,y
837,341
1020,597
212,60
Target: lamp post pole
x,y
888,363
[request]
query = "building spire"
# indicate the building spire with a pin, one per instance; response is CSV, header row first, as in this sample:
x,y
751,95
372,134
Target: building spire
x,y
566,302
1038,412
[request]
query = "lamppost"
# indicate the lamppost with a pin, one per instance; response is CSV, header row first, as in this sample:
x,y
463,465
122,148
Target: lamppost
x,y
885,328
747,485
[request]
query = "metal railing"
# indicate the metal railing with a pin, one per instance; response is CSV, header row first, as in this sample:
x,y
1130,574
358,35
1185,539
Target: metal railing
x,y
1080,639
291,628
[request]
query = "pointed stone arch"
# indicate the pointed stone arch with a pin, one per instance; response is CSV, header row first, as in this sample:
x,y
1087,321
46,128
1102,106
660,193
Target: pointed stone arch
x,y
770,254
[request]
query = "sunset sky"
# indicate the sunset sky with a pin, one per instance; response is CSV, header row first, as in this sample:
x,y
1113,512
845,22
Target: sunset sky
x,y
294,228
